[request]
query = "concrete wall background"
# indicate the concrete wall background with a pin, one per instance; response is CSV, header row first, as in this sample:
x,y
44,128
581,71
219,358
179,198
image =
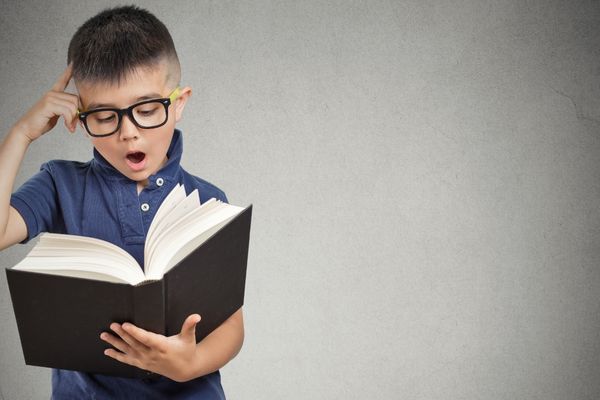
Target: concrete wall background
x,y
425,182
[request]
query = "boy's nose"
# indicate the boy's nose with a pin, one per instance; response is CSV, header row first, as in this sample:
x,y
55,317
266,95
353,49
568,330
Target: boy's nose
x,y
128,129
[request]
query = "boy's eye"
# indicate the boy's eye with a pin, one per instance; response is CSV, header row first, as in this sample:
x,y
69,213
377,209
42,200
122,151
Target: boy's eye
x,y
146,110
104,117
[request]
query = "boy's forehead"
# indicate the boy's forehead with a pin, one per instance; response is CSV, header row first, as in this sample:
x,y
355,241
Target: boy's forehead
x,y
141,82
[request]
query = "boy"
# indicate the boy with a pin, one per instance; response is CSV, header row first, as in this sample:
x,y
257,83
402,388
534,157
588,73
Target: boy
x,y
126,72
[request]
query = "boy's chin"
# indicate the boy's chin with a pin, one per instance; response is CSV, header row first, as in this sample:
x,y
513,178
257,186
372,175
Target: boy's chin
x,y
139,177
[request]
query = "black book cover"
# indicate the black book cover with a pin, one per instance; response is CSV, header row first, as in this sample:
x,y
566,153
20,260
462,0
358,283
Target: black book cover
x,y
60,318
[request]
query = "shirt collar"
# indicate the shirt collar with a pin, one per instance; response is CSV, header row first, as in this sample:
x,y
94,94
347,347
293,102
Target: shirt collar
x,y
169,169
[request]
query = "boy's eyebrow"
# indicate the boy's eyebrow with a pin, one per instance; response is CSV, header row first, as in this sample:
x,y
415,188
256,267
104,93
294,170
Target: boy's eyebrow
x,y
150,96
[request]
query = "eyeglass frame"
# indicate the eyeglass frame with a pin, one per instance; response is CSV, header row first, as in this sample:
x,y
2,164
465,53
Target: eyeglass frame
x,y
165,101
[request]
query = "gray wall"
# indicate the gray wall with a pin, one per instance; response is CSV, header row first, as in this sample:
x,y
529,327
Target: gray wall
x,y
425,177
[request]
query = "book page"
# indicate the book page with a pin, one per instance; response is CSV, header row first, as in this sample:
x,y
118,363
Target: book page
x,y
167,234
174,197
169,217
74,245
189,233
59,252
80,267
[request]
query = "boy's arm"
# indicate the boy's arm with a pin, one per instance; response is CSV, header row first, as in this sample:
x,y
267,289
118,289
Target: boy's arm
x,y
12,150
41,118
177,357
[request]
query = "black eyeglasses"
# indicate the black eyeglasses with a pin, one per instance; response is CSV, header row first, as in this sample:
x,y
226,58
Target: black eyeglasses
x,y
146,114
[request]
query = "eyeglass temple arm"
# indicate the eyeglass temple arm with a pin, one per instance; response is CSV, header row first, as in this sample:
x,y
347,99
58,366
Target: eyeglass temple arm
x,y
175,94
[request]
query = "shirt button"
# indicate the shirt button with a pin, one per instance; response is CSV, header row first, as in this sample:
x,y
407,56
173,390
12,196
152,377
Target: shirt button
x,y
160,181
145,207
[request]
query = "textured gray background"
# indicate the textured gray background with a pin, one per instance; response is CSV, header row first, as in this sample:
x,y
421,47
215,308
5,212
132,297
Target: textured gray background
x,y
425,178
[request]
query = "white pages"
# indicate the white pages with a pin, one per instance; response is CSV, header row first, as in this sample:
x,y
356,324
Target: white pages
x,y
180,225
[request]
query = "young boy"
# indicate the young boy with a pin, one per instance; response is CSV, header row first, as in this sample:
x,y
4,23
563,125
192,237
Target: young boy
x,y
126,72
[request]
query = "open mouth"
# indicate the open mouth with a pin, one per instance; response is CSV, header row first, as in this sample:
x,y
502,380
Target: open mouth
x,y
136,160
136,157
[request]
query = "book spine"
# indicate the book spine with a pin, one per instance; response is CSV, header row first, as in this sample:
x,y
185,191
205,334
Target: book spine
x,y
149,306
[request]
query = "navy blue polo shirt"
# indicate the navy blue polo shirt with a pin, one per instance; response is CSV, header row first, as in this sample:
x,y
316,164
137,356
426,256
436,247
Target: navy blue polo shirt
x,y
94,199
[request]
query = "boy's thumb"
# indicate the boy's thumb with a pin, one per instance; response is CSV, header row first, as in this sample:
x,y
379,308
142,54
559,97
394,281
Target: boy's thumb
x,y
188,329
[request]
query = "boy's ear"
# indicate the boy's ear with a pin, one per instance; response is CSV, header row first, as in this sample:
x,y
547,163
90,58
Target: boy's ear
x,y
184,95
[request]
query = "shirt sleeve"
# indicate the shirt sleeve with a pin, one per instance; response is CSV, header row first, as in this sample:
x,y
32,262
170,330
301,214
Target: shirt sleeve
x,y
37,202
207,190
222,196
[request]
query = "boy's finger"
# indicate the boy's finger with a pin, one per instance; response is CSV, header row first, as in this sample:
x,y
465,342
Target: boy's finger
x,y
127,338
188,329
70,126
70,118
63,81
143,336
122,357
118,344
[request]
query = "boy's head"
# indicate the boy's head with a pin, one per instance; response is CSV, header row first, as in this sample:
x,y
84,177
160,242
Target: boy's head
x,y
117,41
121,57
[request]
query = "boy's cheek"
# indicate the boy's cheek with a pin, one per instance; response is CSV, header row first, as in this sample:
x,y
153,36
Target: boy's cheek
x,y
178,113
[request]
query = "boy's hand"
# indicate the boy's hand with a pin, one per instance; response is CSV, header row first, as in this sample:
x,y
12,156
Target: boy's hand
x,y
171,356
43,116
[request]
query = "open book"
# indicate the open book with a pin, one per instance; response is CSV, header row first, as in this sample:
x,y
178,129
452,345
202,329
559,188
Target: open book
x,y
180,225
69,289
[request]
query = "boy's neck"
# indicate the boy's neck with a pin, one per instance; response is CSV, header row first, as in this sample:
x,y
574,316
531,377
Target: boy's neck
x,y
141,185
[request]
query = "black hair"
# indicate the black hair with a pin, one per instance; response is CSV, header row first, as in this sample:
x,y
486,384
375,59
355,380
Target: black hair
x,y
113,43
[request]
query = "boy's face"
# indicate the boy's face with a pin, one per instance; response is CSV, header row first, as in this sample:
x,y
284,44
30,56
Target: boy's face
x,y
135,152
